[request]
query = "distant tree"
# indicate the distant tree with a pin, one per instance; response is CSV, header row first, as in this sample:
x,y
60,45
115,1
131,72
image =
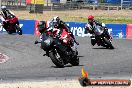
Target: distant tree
x,y
102,1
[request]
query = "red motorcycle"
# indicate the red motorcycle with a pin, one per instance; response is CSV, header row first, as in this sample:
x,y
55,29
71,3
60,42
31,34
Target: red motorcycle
x,y
57,45
11,25
64,36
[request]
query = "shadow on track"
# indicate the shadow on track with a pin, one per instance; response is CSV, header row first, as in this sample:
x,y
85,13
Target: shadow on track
x,y
67,66
103,48
80,56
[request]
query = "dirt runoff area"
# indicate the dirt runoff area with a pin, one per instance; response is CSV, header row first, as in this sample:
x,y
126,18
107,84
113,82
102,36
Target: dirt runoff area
x,y
53,84
76,15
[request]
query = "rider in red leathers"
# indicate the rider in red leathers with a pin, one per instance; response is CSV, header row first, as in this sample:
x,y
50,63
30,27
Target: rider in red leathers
x,y
56,23
59,24
9,20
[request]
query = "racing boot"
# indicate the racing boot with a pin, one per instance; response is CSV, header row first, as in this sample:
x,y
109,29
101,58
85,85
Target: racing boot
x,y
76,42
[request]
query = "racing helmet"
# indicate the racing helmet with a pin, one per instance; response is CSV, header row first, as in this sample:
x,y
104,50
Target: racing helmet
x,y
3,8
90,17
56,21
42,26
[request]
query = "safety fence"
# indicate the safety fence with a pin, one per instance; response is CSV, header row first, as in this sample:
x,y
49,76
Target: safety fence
x,y
116,30
39,5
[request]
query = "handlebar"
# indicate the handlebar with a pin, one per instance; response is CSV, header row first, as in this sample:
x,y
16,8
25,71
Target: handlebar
x,y
36,42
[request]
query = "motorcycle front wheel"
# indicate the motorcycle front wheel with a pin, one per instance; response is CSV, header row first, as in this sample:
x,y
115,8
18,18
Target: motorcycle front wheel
x,y
56,59
93,42
109,45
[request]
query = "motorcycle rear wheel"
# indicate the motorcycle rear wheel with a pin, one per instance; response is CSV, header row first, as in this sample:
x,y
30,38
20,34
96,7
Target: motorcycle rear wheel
x,y
75,61
9,32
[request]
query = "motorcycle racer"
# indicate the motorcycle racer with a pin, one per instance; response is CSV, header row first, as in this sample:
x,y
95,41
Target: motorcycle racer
x,y
9,21
6,12
59,24
92,25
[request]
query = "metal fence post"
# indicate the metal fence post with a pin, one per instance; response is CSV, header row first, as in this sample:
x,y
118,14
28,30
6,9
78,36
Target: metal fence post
x,y
47,2
34,6
121,4
0,6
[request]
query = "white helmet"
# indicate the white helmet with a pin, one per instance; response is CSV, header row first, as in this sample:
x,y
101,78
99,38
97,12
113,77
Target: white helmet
x,y
56,19
3,7
103,24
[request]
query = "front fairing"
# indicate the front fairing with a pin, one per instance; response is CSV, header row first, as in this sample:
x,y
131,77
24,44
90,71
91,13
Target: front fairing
x,y
46,42
98,31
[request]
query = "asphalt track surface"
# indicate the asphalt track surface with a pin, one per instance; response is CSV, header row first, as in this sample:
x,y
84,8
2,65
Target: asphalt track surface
x,y
27,60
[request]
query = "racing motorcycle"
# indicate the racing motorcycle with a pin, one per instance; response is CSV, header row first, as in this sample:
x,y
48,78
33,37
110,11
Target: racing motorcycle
x,y
100,37
58,46
11,25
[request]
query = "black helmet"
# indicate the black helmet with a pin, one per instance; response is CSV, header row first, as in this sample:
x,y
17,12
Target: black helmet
x,y
42,26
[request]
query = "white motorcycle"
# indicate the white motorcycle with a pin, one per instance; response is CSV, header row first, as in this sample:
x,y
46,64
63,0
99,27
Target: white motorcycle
x,y
100,37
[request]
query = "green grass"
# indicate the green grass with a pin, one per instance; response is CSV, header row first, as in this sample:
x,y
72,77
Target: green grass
x,y
73,17
104,20
111,20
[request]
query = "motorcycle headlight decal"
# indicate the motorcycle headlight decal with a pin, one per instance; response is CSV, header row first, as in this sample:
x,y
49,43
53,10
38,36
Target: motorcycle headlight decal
x,y
65,41
47,41
64,37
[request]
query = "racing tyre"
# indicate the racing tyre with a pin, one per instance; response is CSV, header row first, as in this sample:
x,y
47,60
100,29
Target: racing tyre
x,y
109,45
56,60
93,42
75,61
9,32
